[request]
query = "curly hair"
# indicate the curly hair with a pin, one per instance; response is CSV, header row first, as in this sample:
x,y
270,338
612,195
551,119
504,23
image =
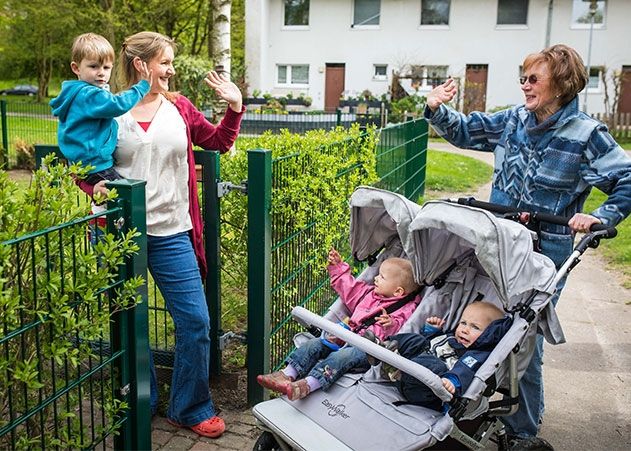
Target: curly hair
x,y
567,71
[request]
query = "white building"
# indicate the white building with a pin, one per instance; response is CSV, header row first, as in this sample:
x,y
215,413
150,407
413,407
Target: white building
x,y
324,48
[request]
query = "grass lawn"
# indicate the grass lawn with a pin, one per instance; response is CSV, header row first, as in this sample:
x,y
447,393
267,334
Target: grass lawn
x,y
618,250
448,174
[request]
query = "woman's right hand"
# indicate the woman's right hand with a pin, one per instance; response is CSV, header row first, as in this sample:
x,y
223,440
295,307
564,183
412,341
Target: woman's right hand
x,y
441,94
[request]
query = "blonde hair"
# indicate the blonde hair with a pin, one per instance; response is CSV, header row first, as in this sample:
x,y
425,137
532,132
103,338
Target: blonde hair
x,y
145,45
492,311
405,273
568,74
92,45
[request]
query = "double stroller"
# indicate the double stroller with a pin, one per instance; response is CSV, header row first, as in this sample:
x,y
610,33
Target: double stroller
x,y
460,253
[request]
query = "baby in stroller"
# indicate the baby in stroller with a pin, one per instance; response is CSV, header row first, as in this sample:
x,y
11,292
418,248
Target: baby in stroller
x,y
454,356
380,309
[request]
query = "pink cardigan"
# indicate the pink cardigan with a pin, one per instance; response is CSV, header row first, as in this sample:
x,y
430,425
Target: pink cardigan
x,y
360,298
203,134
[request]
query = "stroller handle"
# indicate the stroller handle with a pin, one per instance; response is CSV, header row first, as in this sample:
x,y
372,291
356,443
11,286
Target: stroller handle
x,y
610,232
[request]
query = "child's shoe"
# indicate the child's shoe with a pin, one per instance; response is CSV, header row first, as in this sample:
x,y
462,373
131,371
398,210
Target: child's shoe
x,y
297,390
276,381
387,371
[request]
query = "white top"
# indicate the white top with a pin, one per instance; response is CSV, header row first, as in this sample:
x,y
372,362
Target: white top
x,y
158,156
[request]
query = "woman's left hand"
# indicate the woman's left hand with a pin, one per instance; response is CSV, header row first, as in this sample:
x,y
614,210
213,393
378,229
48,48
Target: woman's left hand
x,y
225,89
581,222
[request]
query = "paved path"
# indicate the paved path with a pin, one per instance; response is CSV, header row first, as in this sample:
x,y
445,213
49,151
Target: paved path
x,y
587,380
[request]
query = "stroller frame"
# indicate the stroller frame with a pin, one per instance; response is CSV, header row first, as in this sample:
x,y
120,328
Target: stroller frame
x,y
286,428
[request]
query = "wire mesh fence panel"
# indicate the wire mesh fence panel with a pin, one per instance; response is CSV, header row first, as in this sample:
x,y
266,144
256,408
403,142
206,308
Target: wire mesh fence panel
x,y
254,124
59,382
298,249
27,124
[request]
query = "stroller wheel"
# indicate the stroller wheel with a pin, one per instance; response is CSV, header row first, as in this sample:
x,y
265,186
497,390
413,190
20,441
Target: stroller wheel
x,y
266,442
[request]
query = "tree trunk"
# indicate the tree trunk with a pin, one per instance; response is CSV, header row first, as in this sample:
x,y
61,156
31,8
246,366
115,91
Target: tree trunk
x,y
220,34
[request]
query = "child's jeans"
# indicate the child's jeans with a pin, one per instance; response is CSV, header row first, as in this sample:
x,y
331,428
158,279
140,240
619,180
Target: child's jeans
x,y
415,347
307,361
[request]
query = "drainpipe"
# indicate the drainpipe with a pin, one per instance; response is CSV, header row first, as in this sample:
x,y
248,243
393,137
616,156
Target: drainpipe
x,y
593,6
549,23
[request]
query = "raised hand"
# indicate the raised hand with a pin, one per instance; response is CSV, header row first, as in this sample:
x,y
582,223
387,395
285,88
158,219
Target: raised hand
x,y
143,70
225,89
442,94
334,257
435,321
385,319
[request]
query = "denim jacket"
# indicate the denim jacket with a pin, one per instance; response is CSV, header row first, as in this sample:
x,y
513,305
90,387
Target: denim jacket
x,y
550,170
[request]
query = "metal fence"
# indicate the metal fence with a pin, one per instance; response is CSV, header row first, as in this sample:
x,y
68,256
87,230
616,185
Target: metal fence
x,y
281,259
64,384
254,124
23,125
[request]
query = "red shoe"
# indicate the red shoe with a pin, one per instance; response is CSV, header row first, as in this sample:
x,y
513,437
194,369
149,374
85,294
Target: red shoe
x,y
212,427
276,381
298,390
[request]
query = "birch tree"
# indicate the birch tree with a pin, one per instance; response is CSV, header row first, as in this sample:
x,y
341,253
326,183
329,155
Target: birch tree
x,y
220,33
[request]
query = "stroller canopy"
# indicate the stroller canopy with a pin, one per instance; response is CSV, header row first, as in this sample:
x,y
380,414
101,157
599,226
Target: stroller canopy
x,y
378,218
443,231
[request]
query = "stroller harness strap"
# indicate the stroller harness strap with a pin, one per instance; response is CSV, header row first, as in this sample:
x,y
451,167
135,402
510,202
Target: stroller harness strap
x,y
389,309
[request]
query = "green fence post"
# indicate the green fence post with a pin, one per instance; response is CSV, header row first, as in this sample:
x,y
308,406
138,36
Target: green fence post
x,y
259,268
338,117
423,136
212,218
41,150
5,132
134,330
415,135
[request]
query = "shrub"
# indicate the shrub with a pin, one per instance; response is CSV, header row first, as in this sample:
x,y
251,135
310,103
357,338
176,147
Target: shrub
x,y
53,311
413,105
313,177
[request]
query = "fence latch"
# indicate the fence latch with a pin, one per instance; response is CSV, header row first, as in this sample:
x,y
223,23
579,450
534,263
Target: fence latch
x,y
231,336
124,391
224,188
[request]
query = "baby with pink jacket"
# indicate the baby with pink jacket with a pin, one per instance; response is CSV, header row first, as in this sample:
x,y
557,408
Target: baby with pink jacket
x,y
381,308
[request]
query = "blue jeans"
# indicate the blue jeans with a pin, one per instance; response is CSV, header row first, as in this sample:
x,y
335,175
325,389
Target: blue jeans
x,y
173,265
525,422
307,361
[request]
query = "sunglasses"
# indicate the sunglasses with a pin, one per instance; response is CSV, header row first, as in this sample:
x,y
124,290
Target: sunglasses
x,y
532,79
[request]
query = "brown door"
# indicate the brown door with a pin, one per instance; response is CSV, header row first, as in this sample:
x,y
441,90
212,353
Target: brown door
x,y
624,105
333,85
475,88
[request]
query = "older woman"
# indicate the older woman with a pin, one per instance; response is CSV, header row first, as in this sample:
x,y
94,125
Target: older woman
x,y
548,156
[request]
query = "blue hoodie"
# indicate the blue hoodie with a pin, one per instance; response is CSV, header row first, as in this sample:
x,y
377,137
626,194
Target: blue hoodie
x,y
87,130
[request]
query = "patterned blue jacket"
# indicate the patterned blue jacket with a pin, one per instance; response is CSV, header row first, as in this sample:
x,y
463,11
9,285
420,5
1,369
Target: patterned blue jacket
x,y
549,168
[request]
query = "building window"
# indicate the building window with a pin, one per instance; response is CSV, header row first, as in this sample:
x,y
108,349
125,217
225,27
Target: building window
x,y
380,72
594,83
366,12
435,75
582,14
296,13
512,12
296,74
435,12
